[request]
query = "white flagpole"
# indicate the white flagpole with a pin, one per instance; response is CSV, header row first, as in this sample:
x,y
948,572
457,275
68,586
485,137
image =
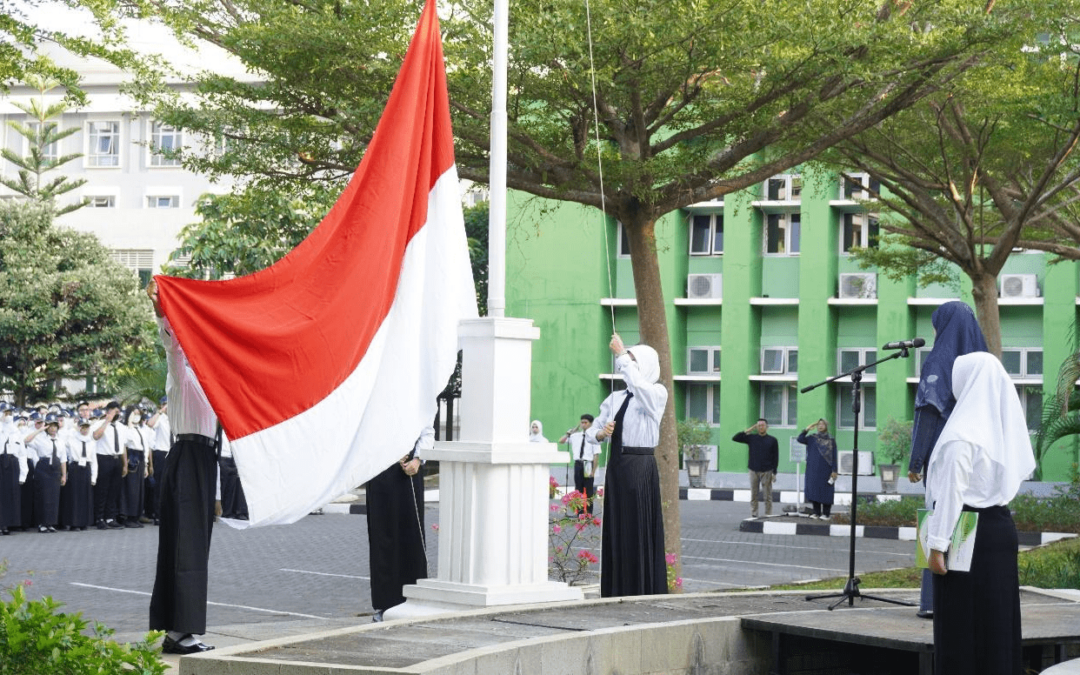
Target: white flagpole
x,y
497,173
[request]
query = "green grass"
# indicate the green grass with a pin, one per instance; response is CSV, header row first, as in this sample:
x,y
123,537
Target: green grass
x,y
1055,565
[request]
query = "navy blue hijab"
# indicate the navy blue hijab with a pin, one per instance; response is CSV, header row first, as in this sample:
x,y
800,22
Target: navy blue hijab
x,y
958,333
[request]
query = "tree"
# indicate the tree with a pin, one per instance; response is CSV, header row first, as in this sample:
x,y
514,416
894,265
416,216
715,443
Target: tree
x,y
43,136
971,170
696,99
65,307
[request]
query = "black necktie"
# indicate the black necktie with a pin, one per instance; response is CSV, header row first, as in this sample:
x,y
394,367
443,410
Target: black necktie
x,y
52,462
5,446
84,449
116,438
581,453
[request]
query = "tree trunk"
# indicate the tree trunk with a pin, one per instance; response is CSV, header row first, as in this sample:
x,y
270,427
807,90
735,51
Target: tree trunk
x,y
652,320
984,292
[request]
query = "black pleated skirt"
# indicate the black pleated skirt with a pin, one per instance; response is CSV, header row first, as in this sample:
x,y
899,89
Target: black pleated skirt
x,y
632,561
47,493
77,497
395,519
10,492
977,613
132,486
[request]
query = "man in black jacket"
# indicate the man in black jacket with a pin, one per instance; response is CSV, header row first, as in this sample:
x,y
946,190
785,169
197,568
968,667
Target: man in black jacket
x,y
763,460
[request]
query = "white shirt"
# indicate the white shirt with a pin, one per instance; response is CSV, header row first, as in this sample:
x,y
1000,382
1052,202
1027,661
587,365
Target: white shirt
x,y
189,408
41,447
641,424
75,449
112,440
162,440
13,445
426,441
580,448
138,437
962,474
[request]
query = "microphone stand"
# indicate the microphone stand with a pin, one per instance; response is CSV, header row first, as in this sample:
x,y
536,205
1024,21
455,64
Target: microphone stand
x,y
851,588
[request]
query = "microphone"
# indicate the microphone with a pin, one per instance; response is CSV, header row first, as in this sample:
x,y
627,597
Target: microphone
x,y
905,344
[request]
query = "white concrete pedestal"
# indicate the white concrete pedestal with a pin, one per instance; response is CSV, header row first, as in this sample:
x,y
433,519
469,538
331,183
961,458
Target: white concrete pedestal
x,y
493,485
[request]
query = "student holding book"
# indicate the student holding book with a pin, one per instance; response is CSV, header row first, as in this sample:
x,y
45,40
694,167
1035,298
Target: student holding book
x,y
980,459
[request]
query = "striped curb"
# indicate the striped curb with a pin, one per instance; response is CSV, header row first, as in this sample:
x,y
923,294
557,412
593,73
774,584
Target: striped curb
x,y
875,531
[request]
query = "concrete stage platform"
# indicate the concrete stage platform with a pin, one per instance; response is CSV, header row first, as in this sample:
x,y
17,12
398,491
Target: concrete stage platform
x,y
714,633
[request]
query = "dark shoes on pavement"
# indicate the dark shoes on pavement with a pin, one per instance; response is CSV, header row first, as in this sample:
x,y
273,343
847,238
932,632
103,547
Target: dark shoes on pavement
x,y
925,614
171,646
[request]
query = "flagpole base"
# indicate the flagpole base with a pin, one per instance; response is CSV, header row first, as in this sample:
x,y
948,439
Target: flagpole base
x,y
434,596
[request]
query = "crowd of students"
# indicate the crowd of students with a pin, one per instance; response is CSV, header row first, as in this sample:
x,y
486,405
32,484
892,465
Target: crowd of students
x,y
71,469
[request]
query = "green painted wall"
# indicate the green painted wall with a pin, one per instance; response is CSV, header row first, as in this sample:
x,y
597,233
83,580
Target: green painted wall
x,y
559,269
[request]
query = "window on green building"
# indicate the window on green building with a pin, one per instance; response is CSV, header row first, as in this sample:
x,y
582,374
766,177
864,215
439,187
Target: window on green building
x,y
783,188
1031,399
707,234
779,360
703,402
853,358
703,361
868,404
859,230
1022,362
779,404
783,232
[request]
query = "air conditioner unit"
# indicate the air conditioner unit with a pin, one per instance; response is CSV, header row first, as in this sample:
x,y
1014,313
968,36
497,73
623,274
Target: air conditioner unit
x,y
1019,286
704,286
847,462
858,285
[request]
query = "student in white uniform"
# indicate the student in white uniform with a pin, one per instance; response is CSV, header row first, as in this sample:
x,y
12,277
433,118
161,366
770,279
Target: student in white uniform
x,y
50,472
77,496
13,473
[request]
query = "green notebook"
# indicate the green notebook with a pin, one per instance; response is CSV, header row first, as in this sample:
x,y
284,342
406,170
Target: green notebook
x,y
961,547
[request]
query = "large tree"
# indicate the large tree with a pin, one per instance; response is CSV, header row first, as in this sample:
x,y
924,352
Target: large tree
x,y
66,309
695,99
990,159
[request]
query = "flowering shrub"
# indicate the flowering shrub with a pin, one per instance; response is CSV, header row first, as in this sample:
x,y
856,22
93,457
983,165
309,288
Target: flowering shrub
x,y
574,533
553,487
674,583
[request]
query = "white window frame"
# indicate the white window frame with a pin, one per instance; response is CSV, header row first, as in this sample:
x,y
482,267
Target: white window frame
x,y
163,193
865,182
864,358
155,130
785,359
790,391
1022,393
52,150
862,221
863,392
790,190
712,394
1024,353
714,220
91,159
787,219
713,357
90,201
621,234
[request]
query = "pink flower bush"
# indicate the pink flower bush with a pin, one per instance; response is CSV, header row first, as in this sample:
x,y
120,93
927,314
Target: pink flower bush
x,y
571,547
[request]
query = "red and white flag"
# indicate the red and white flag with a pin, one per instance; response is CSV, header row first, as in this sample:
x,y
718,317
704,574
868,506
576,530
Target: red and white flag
x,y
325,367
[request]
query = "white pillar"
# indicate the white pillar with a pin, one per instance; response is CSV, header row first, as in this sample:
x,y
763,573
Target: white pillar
x,y
493,484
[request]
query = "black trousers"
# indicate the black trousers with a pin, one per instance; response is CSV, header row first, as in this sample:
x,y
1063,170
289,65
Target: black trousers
x,y
188,489
107,489
583,484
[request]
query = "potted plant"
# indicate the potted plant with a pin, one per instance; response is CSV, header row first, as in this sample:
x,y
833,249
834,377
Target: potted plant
x,y
693,435
894,442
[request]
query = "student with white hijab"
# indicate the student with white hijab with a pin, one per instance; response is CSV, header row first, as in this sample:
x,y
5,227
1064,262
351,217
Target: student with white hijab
x,y
632,561
980,459
536,432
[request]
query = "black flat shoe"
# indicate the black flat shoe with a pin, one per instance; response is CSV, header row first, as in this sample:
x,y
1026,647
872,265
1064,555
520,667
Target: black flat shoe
x,y
171,646
42,529
925,614
4,532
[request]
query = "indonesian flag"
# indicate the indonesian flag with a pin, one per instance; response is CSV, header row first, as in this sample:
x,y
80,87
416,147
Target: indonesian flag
x,y
325,367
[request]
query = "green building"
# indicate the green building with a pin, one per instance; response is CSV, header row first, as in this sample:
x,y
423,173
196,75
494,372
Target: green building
x,y
762,299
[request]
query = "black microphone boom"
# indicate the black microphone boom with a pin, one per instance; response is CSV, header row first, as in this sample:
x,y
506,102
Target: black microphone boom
x,y
906,344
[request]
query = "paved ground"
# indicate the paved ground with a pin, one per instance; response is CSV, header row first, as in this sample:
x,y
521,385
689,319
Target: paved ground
x,y
315,570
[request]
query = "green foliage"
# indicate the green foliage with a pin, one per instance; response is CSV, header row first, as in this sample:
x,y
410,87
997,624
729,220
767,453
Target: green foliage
x,y
476,229
693,435
888,513
66,309
894,440
243,233
45,132
1056,565
36,638
1061,411
1057,513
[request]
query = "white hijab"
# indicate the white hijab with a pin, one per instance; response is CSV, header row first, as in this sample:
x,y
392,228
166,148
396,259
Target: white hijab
x,y
648,362
988,415
538,437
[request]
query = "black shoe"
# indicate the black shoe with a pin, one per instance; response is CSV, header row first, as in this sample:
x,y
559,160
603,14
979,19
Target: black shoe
x,y
925,614
113,524
42,529
377,617
101,525
157,522
4,532
51,529
171,646
132,524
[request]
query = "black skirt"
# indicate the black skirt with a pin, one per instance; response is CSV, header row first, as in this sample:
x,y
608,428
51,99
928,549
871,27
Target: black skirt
x,y
26,492
132,485
10,492
188,489
395,519
77,497
47,492
632,561
977,613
